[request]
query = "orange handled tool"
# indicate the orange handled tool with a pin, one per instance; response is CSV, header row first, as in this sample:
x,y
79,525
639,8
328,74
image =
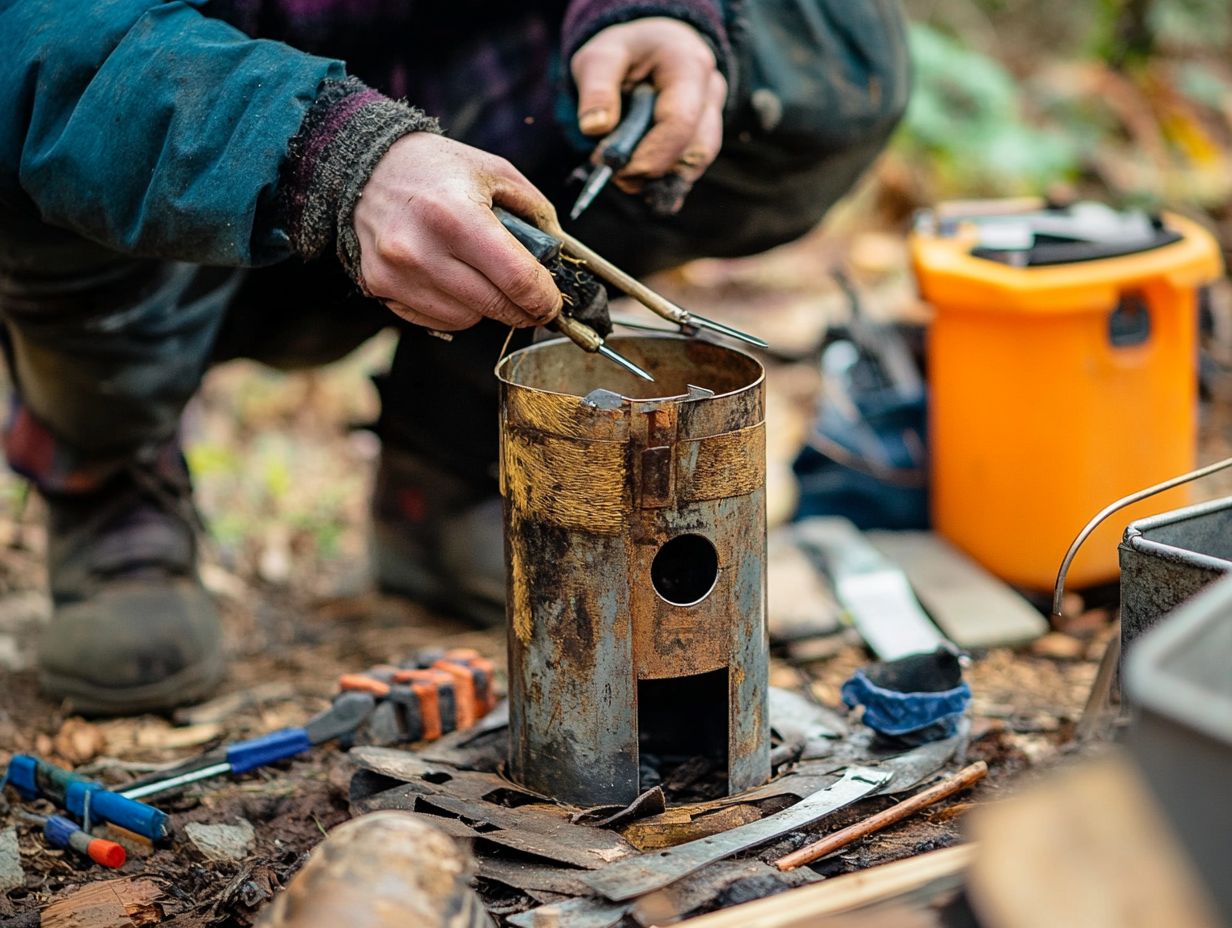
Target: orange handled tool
x,y
437,692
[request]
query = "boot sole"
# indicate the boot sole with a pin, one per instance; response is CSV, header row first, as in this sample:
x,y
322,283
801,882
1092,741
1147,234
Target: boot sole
x,y
189,685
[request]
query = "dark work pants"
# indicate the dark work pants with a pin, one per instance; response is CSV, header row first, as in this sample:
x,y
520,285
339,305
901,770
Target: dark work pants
x,y
104,362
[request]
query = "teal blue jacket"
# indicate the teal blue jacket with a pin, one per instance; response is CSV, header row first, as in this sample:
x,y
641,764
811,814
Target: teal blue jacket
x,y
145,127
149,128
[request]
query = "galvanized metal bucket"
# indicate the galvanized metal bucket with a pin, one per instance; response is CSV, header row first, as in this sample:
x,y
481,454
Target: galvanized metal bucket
x,y
636,543
1166,559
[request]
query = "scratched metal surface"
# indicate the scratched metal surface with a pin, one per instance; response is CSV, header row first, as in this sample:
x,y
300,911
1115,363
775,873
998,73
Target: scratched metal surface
x,y
648,872
592,493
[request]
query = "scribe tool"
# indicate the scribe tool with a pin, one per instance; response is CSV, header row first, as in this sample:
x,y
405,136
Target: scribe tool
x,y
658,304
554,242
616,148
546,248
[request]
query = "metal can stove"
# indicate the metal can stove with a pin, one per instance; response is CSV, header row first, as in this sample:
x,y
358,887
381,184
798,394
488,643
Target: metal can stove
x,y
635,536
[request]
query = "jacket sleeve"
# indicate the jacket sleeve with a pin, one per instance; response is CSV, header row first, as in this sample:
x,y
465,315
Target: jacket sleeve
x,y
157,131
585,18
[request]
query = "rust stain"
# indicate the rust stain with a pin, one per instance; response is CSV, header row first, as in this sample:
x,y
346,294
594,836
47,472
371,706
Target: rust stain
x,y
519,591
728,465
565,416
572,484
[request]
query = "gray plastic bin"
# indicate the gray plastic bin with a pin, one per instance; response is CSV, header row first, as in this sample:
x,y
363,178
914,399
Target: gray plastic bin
x,y
1179,678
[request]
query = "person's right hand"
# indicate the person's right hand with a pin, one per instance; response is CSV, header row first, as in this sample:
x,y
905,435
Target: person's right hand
x,y
432,249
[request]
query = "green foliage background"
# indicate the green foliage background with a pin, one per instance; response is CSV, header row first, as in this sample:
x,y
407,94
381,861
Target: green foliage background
x,y
1130,100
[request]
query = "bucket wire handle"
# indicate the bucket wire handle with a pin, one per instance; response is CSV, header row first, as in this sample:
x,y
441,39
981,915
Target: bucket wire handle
x,y
1058,590
505,347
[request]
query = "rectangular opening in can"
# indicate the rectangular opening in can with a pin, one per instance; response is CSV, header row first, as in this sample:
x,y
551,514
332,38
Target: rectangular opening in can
x,y
683,718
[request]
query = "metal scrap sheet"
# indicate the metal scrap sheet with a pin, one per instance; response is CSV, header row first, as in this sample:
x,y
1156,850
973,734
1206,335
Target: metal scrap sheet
x,y
583,912
529,830
665,906
531,876
648,872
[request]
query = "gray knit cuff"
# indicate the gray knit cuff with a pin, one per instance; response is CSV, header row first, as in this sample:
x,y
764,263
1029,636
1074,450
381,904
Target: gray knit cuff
x,y
347,131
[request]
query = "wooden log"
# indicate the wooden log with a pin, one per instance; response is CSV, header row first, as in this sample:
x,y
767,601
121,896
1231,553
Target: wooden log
x,y
801,908
934,794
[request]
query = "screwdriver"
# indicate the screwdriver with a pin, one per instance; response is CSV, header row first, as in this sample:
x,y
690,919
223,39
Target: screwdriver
x,y
84,799
347,713
616,148
63,833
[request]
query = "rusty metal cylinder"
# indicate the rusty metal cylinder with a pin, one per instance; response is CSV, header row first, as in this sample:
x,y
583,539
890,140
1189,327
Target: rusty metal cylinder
x,y
635,536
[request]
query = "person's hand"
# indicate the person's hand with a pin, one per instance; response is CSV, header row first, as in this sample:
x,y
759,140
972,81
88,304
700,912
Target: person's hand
x,y
432,249
673,56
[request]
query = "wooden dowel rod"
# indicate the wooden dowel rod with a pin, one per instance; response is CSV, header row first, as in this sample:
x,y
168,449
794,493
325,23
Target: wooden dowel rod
x,y
934,794
604,268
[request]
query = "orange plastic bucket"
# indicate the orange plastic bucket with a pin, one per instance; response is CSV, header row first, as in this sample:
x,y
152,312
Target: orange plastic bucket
x,y
1055,389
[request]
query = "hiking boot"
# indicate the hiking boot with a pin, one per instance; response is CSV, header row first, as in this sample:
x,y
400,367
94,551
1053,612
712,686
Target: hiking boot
x,y
132,628
438,539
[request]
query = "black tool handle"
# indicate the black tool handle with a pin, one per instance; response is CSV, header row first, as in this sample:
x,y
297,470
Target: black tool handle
x,y
543,246
617,147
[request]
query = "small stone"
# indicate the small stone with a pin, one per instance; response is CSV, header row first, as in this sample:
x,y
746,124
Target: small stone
x,y
222,842
11,874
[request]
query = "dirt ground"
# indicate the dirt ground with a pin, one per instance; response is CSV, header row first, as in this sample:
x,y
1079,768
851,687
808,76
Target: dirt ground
x,y
283,479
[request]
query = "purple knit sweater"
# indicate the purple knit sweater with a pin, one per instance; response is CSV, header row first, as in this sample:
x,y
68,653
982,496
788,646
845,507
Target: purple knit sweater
x,y
351,126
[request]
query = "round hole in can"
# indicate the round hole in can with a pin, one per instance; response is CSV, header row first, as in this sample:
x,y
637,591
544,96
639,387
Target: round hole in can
x,y
685,570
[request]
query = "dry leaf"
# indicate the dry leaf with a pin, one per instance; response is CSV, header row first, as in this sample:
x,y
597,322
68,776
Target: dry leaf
x,y
79,741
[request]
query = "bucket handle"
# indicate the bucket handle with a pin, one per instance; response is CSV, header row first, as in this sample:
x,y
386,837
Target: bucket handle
x,y
1058,590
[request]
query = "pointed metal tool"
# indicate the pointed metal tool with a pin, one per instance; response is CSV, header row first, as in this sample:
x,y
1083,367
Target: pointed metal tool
x,y
617,147
626,323
624,362
587,338
546,246
701,322
655,302
594,183
695,322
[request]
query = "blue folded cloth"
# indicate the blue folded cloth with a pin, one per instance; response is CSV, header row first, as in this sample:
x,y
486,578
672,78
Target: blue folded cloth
x,y
890,710
893,713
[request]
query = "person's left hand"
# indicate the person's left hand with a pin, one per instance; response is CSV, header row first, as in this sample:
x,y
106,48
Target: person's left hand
x,y
673,56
